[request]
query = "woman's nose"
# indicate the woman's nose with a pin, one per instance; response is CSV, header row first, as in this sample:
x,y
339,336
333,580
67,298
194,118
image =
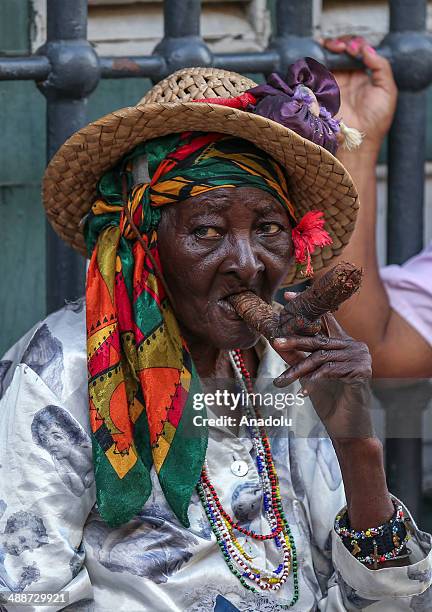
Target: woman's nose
x,y
243,261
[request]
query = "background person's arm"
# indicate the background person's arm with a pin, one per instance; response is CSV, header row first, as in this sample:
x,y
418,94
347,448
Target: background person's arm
x,y
368,103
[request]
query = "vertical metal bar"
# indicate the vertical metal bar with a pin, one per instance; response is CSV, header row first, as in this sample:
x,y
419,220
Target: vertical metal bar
x,y
65,268
404,424
294,18
406,159
407,16
406,453
66,112
182,18
66,19
293,32
182,45
407,151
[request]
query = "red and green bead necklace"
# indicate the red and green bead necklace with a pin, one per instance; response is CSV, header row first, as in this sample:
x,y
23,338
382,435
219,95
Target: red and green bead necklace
x,y
224,527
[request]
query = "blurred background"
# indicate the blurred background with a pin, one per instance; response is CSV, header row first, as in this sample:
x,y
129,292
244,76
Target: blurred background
x,y
122,28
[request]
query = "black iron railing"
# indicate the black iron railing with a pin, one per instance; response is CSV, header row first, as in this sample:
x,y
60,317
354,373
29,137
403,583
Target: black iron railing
x,y
67,69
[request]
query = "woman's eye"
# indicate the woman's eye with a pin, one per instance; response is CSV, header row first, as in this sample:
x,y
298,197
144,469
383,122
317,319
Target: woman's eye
x,y
269,229
207,232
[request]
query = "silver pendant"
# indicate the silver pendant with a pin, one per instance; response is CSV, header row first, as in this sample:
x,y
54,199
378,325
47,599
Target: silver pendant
x,y
249,547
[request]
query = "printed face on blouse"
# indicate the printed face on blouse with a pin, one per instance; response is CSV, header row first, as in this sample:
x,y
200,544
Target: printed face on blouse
x,y
55,440
23,539
217,244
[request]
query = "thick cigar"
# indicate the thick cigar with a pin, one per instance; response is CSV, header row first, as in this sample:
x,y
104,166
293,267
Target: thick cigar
x,y
303,313
258,315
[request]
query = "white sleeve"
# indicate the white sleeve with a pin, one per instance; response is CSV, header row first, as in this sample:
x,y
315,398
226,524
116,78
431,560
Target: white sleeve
x,y
389,588
350,585
46,493
409,290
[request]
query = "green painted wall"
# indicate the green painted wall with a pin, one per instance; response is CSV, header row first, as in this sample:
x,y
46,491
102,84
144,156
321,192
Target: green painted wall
x,y
22,161
22,121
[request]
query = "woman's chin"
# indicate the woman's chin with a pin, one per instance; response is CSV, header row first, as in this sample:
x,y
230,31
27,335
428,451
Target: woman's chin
x,y
230,338
221,328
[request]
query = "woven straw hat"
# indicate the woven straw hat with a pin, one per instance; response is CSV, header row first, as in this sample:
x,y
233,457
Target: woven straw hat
x,y
317,180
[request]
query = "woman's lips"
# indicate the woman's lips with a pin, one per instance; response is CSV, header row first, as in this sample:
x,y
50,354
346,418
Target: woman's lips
x,y
228,309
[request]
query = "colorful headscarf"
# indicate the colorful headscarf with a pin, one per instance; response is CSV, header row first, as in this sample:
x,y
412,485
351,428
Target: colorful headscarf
x,y
141,375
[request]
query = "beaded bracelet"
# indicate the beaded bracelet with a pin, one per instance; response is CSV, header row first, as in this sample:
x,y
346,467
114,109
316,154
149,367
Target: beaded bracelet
x,y
376,544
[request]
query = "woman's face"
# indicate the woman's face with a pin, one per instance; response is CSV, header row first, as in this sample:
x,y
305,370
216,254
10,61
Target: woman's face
x,y
220,243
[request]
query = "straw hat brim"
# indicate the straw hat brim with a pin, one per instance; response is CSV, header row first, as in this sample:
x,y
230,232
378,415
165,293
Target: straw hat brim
x,y
317,180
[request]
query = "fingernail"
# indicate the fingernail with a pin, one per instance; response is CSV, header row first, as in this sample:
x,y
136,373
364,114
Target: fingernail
x,y
281,340
354,45
370,49
304,392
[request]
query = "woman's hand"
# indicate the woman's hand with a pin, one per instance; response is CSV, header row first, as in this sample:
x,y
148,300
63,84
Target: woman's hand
x,y
368,97
335,374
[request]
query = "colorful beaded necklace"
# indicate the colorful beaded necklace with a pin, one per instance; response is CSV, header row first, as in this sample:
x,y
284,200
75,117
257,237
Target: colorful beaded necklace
x,y
224,527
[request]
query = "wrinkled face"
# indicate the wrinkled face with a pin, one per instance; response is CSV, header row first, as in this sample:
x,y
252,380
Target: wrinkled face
x,y
217,244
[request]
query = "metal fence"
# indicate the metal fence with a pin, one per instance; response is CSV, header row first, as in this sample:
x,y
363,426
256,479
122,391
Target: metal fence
x,y
67,69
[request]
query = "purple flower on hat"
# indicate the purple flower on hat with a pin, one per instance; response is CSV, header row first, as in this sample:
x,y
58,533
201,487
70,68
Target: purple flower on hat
x,y
306,101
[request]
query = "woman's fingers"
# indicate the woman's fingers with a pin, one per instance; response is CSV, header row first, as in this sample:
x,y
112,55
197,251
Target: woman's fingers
x,y
291,325
335,45
354,46
308,365
337,358
380,69
292,357
359,47
333,337
381,72
344,44
334,328
310,327
331,370
324,366
308,343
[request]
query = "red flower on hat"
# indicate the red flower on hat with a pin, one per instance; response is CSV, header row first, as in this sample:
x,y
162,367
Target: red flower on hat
x,y
308,234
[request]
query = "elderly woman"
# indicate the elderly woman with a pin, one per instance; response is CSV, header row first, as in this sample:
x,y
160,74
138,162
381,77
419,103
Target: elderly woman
x,y
192,201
